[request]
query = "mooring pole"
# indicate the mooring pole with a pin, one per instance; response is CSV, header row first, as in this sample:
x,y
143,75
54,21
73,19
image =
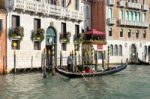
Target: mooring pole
x,y
108,57
44,67
14,45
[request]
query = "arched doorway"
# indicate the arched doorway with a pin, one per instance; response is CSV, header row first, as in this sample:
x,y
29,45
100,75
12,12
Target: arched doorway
x,y
50,47
133,54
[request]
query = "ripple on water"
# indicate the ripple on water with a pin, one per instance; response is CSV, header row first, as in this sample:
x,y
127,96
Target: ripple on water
x,y
132,83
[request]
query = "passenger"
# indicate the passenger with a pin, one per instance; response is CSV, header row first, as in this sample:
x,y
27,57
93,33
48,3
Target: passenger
x,y
87,70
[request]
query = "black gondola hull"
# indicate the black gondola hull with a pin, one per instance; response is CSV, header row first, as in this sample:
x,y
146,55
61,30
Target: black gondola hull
x,y
99,73
141,62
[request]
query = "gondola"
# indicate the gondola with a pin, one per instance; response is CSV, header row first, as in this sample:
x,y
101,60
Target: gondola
x,y
141,62
98,73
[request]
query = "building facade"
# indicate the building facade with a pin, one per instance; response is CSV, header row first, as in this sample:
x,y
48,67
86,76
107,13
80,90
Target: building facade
x,y
3,34
37,27
126,26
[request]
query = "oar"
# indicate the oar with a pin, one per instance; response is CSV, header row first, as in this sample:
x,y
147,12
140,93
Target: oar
x,y
84,77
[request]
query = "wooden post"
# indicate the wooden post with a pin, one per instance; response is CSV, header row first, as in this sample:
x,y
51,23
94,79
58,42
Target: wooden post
x,y
102,59
14,45
108,57
60,59
31,62
53,65
96,60
14,62
44,61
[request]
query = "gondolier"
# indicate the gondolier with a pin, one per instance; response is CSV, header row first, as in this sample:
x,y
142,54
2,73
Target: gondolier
x,y
69,63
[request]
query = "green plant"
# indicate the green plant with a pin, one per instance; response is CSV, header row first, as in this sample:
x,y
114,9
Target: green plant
x,y
38,35
18,31
65,38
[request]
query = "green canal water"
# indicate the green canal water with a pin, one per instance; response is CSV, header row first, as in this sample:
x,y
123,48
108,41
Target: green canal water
x,y
131,83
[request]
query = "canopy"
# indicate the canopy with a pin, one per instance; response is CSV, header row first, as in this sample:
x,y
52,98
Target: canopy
x,y
94,32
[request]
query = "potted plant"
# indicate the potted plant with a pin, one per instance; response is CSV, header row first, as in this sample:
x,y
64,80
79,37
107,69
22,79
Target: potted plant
x,y
37,35
65,37
16,33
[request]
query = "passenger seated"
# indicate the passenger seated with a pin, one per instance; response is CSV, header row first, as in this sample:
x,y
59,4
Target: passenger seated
x,y
87,70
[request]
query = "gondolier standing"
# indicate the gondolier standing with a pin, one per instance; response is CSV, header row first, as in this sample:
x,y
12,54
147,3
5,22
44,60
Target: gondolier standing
x,y
69,63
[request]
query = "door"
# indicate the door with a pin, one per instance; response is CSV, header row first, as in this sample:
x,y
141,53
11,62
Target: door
x,y
133,54
50,47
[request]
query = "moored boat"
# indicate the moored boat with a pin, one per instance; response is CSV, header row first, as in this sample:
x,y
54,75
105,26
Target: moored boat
x,y
97,73
141,62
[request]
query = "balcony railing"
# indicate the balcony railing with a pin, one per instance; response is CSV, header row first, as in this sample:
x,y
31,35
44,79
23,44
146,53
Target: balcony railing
x,y
145,7
121,3
46,9
111,2
133,23
134,5
110,21
122,22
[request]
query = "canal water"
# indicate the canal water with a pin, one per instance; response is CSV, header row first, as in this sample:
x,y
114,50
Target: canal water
x,y
131,83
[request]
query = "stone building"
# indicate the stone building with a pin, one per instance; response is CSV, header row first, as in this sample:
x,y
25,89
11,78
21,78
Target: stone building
x,y
126,24
35,27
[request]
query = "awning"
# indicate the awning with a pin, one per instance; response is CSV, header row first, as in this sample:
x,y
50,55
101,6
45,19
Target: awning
x,y
94,32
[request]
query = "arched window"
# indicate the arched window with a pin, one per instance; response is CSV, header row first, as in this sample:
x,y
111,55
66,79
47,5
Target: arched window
x,y
111,50
145,51
130,15
120,50
110,13
116,50
136,19
120,14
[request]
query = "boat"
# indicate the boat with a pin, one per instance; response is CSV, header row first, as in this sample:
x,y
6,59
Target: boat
x,y
109,71
141,62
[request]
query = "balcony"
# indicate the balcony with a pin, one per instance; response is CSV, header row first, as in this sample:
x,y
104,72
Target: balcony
x,y
46,9
110,21
133,23
121,4
145,7
132,5
111,2
121,22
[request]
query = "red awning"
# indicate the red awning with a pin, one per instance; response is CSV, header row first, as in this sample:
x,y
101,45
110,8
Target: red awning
x,y
94,32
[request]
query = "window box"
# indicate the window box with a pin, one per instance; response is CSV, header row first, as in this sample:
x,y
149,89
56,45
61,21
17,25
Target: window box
x,y
16,33
37,35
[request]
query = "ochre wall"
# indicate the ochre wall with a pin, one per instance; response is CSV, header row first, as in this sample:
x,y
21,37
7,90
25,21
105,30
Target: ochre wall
x,y
3,42
98,15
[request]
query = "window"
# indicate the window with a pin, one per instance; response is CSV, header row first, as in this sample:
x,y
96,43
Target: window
x,y
99,55
37,24
144,34
120,50
76,4
116,50
63,3
15,21
137,34
110,13
64,46
129,33
121,33
15,44
77,30
110,31
63,27
1,25
120,14
37,45
111,50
